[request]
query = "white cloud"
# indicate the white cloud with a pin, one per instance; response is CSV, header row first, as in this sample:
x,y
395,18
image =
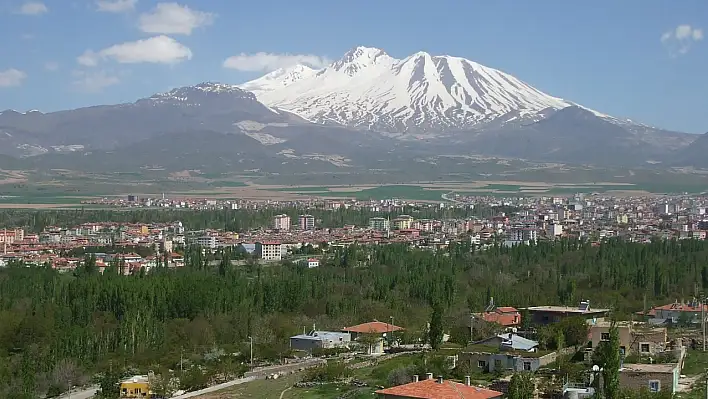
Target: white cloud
x,y
12,77
270,61
679,40
94,82
115,5
172,18
156,50
51,66
33,8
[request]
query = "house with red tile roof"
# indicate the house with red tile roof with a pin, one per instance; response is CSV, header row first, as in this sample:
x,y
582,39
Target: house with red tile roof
x,y
505,316
374,332
437,389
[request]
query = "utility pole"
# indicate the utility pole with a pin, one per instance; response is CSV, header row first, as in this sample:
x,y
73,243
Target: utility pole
x,y
250,338
703,324
390,337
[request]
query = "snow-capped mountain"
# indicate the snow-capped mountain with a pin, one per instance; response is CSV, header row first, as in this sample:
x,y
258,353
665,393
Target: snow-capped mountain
x,y
369,89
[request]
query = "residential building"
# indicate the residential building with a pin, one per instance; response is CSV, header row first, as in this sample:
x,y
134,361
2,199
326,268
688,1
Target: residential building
x,y
506,352
553,314
654,377
634,338
312,263
320,340
135,387
489,360
306,222
554,230
269,250
375,332
505,316
281,222
402,222
521,235
379,224
206,242
674,312
509,342
437,388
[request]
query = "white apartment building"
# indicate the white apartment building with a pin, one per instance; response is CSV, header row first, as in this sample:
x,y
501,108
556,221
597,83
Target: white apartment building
x,y
379,224
281,222
269,250
554,230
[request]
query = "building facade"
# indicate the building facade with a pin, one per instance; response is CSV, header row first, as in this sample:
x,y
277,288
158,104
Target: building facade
x,y
270,250
379,224
306,222
281,222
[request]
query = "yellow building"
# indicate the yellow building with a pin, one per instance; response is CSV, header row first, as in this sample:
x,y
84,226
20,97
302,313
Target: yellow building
x,y
144,229
402,222
135,387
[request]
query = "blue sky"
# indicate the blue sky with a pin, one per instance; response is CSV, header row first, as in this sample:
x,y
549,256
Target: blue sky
x,y
644,60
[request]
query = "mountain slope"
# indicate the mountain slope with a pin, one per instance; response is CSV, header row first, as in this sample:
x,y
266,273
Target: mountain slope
x,y
204,107
695,155
369,89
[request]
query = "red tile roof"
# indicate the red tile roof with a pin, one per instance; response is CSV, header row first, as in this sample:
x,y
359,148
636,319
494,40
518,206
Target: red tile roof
x,y
504,316
374,327
432,389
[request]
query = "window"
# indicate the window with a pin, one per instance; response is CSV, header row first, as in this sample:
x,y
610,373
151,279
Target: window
x,y
605,336
654,386
644,347
481,364
497,364
527,366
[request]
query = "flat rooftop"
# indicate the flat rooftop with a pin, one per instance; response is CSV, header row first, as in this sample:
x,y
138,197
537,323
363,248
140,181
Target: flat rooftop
x,y
566,309
649,368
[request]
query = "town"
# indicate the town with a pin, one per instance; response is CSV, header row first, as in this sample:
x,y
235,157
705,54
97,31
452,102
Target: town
x,y
590,217
504,342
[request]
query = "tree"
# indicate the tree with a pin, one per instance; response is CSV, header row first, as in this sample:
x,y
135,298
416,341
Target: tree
x,y
521,386
608,358
575,330
109,385
435,331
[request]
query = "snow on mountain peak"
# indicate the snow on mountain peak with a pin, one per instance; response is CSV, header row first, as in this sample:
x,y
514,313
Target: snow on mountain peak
x,y
280,78
369,89
359,58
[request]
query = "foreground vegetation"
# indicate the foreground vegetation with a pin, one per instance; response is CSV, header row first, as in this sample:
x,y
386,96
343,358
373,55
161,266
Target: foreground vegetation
x,y
58,330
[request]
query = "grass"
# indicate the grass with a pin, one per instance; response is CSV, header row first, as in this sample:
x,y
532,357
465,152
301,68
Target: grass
x,y
296,189
695,362
227,183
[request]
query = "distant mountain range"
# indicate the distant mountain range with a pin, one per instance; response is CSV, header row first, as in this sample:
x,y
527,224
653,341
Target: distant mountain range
x,y
367,110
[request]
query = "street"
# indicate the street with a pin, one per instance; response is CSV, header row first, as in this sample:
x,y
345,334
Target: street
x,y
256,373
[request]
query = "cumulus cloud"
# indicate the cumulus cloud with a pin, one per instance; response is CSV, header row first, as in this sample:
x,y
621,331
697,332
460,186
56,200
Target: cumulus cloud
x,y
93,81
12,77
679,40
172,18
155,50
33,8
115,6
265,62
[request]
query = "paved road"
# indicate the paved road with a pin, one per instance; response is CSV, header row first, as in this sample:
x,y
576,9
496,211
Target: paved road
x,y
257,373
83,394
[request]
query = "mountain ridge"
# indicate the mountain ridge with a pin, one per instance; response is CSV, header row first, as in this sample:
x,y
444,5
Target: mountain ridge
x,y
367,88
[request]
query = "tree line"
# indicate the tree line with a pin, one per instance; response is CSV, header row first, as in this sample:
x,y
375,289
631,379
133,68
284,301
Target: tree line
x,y
56,329
227,219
